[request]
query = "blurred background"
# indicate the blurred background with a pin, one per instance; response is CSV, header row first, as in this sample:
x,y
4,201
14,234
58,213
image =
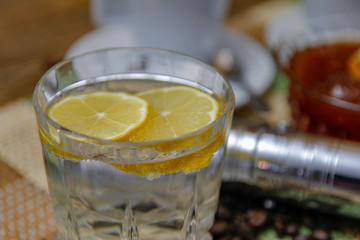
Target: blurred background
x,y
35,35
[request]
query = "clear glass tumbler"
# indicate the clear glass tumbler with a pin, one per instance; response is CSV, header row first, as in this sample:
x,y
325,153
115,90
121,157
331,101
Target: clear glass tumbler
x,y
94,200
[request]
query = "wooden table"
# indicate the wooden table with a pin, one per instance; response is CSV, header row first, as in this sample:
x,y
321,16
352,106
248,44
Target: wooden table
x,y
34,35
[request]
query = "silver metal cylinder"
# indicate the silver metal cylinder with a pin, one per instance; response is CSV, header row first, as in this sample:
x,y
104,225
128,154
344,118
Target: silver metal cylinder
x,y
318,172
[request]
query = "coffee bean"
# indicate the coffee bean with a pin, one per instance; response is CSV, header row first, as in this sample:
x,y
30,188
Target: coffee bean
x,y
236,238
256,218
308,222
224,212
292,229
320,234
239,219
242,226
220,228
279,226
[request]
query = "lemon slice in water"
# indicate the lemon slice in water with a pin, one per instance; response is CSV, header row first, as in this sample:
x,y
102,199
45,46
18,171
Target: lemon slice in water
x,y
101,114
175,111
156,114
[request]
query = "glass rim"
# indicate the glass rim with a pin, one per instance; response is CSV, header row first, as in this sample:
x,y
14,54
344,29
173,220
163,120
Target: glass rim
x,y
334,101
227,106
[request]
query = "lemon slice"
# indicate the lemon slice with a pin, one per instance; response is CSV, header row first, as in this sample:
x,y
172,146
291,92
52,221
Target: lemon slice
x,y
161,113
175,111
101,114
353,65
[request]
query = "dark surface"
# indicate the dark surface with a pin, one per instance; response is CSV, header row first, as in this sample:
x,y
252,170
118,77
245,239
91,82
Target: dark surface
x,y
244,215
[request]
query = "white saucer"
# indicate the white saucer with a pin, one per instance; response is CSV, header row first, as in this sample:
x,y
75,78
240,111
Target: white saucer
x,y
254,61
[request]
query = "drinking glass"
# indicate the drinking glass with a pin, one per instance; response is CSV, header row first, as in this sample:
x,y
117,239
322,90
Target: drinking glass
x,y
94,200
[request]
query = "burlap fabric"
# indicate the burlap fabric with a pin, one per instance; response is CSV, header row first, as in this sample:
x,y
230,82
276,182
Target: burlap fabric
x,y
25,206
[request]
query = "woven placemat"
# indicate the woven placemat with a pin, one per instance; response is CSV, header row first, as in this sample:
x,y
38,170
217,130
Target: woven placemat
x,y
19,141
25,205
25,210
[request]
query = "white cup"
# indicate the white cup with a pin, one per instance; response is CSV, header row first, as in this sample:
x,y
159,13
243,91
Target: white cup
x,y
188,26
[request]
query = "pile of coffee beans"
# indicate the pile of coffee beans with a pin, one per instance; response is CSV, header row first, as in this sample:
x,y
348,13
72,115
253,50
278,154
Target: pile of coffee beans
x,y
244,216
